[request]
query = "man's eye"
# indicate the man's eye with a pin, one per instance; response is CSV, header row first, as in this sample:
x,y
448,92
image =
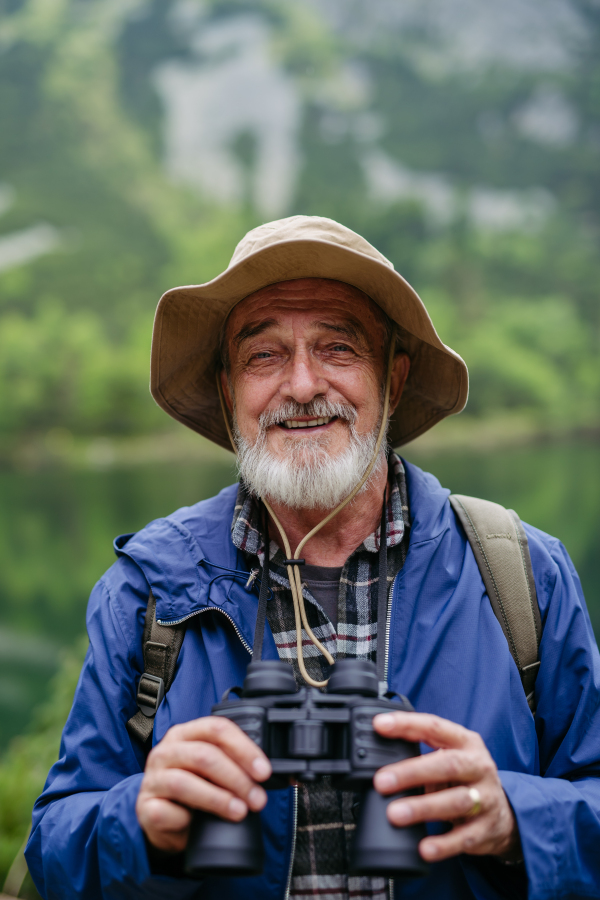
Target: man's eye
x,y
340,348
264,354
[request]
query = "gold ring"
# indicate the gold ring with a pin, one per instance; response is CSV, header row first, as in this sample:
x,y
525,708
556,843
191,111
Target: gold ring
x,y
476,798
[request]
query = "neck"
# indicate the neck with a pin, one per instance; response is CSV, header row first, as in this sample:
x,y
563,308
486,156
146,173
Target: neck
x,y
334,543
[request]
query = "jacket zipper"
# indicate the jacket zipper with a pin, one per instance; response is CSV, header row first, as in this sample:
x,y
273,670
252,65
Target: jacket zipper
x,y
388,624
211,609
387,628
294,831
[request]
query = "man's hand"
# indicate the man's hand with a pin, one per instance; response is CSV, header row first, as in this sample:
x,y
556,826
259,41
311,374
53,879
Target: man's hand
x,y
207,764
460,761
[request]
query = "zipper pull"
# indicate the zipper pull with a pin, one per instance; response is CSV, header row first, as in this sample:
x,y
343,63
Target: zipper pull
x,y
251,579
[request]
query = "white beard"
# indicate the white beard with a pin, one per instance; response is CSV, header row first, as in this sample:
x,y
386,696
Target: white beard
x,y
308,476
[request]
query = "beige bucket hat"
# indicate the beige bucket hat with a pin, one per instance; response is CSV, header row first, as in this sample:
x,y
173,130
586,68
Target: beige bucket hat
x,y
188,323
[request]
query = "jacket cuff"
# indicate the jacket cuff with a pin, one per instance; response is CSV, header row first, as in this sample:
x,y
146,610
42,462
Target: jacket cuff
x,y
122,849
553,817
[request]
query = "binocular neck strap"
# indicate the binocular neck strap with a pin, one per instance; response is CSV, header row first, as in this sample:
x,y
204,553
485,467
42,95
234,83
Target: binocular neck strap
x,y
259,630
382,596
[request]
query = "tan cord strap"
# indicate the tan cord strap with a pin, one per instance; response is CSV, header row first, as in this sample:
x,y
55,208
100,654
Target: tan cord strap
x,y
293,571
224,411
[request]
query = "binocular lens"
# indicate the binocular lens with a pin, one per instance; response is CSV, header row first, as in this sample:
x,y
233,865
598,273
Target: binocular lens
x,y
380,848
217,847
354,676
269,676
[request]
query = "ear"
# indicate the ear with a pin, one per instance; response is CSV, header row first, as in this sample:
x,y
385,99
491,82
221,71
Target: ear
x,y
400,370
226,390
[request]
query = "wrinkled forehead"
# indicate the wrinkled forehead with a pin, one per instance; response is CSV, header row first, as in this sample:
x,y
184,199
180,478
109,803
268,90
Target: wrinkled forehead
x,y
333,301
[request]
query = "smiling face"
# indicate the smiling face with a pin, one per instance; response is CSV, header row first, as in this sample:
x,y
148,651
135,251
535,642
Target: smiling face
x,y
306,368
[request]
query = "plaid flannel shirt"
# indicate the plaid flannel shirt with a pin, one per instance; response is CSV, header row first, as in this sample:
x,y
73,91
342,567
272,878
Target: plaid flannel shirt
x,y
325,816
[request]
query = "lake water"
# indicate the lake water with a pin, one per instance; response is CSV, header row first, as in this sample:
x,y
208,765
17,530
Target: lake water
x,y
56,531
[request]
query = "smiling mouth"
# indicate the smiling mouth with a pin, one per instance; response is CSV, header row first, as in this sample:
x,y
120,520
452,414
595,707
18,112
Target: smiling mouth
x,y
307,423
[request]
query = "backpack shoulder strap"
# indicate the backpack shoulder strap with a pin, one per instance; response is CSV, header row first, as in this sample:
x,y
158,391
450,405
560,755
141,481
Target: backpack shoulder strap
x,y
500,546
161,645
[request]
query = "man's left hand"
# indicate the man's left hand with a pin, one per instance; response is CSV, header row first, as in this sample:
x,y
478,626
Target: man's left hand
x,y
460,761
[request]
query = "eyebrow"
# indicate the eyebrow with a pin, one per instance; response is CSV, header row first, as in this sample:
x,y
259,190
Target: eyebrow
x,y
250,331
348,329
355,333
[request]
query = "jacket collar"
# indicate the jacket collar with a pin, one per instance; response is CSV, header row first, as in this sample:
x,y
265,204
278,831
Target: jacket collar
x,y
191,563
429,508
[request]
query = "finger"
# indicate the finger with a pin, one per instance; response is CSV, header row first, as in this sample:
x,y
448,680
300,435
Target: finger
x,y
209,761
229,737
165,823
434,768
442,806
183,787
432,730
472,837
439,786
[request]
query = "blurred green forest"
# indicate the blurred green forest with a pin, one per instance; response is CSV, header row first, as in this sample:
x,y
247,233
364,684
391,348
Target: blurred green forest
x,y
23,769
82,173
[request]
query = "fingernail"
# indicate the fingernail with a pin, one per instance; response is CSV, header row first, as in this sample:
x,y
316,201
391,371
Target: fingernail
x,y
385,722
385,781
400,813
257,798
237,808
261,768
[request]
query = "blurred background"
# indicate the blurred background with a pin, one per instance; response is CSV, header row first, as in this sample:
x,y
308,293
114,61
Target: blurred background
x,y
140,139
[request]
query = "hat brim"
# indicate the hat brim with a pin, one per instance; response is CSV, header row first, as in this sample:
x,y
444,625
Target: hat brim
x,y
188,323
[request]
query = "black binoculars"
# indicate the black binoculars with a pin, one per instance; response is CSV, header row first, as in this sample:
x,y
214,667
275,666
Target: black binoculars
x,y
307,734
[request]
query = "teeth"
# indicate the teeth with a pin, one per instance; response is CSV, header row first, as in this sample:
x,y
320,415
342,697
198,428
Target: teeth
x,y
294,423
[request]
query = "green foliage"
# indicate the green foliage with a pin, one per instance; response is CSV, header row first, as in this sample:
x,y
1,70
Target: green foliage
x,y
64,370
81,146
24,767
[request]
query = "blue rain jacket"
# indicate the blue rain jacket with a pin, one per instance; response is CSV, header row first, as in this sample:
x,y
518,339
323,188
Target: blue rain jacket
x,y
447,653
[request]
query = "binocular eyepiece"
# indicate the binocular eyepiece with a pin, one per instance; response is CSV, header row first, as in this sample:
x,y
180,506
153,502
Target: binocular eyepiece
x,y
307,734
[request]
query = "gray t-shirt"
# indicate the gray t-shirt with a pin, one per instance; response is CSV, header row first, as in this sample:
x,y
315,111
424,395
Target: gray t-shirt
x,y
323,582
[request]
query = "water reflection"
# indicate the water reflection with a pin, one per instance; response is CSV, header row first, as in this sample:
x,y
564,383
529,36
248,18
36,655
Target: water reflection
x,y
56,530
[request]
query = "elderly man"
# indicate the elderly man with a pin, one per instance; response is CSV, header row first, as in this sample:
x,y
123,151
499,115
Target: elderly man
x,y
307,351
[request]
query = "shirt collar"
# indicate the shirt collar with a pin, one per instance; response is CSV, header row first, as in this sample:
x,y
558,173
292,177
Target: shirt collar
x,y
246,528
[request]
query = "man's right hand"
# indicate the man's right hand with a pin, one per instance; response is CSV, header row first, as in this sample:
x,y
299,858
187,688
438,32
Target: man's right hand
x,y
207,764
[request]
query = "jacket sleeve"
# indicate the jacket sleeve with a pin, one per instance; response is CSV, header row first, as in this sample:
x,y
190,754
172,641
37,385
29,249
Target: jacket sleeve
x,y
558,811
86,840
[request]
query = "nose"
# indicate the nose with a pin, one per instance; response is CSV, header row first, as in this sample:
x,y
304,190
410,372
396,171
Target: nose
x,y
305,381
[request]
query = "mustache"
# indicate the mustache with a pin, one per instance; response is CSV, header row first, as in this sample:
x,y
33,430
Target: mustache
x,y
318,408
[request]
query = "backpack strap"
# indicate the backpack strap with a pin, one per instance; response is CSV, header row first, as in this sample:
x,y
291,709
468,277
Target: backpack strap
x,y
500,546
161,645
